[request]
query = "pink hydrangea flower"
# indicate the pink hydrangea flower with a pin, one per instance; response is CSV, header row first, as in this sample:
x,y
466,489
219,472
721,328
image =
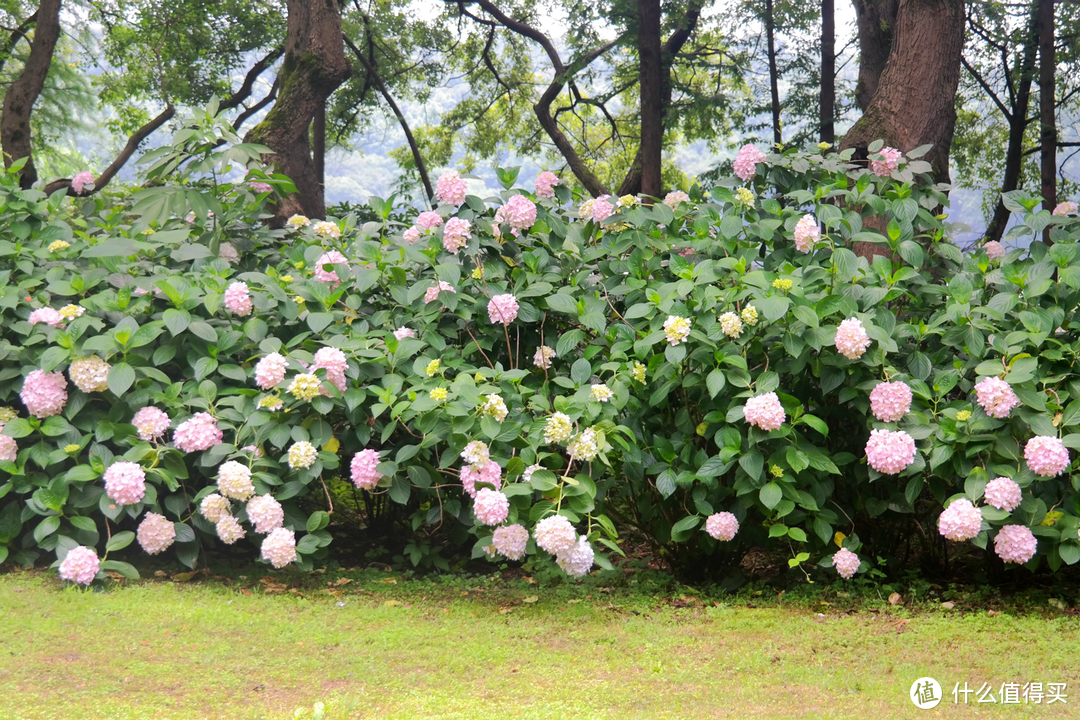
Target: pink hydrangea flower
x,y
125,483
519,212
156,533
1015,544
46,315
1046,456
81,180
265,513
996,397
577,560
851,339
403,332
150,422
765,411
259,187
1003,493
238,299
960,521
491,507
890,451
994,250
1065,208
807,233
555,534
214,507
673,198
890,160
9,449
722,526
503,309
270,371
80,566
543,356
602,209
335,363
234,480
200,432
364,469
411,235
44,394
90,374
429,220
545,186
846,563
890,401
491,473
229,530
746,161
331,258
279,547
510,541
432,293
456,234
451,188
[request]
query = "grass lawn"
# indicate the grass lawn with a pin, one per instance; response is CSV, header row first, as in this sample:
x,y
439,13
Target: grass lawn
x,y
471,648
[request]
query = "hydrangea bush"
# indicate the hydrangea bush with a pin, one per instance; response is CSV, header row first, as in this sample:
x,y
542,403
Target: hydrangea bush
x,y
709,373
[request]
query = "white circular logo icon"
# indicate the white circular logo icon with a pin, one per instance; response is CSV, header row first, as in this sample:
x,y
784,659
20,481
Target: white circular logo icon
x,y
925,693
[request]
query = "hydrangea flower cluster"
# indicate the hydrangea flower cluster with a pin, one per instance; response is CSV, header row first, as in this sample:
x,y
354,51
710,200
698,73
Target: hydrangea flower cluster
x,y
238,299
673,198
543,356
1015,544
994,250
433,292
279,547
451,188
200,432
156,533
731,325
403,332
364,469
577,560
765,411
1065,208
851,339
890,401
334,362
545,187
807,233
1003,493
90,374
429,220
302,455
491,473
80,565
558,428
583,447
265,513
846,563
412,235
1046,456
960,521
332,258
214,507
327,229
270,371
746,161
456,234
70,312
555,534
638,372
510,541
722,526
81,180
44,394
602,209
996,397
125,483
600,393
519,212
744,196
305,386
9,449
477,454
503,308
749,316
229,530
526,475
890,451
491,507
889,162
495,407
676,329
58,246
298,221
234,480
46,315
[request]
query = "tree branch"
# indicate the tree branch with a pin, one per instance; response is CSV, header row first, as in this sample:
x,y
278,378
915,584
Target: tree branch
x,y
989,91
17,34
244,92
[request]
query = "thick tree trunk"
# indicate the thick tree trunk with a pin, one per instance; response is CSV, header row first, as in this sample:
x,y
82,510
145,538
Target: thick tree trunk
x,y
23,92
828,72
318,146
652,108
876,22
774,76
1047,118
313,68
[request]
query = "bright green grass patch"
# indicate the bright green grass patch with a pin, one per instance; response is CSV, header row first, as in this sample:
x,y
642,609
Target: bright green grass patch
x,y
165,650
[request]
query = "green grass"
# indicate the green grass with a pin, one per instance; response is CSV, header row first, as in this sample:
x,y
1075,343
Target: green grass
x,y
471,648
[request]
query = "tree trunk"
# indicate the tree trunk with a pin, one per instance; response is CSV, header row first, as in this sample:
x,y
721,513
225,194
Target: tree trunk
x,y
1018,122
313,68
1047,119
318,146
922,72
652,107
876,22
828,72
774,78
23,92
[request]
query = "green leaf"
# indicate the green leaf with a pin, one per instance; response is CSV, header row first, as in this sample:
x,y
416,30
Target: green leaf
x,y
797,534
17,428
715,382
680,531
46,528
815,422
581,371
752,463
770,495
121,377
119,541
318,520
125,569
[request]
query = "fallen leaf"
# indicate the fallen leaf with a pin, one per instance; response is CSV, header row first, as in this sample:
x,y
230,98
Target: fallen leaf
x,y
992,613
503,611
389,581
1058,603
531,599
948,605
895,599
392,603
182,577
342,581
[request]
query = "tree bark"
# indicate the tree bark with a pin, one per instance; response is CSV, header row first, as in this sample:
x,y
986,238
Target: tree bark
x,y
318,146
774,76
876,23
652,109
313,68
23,92
1047,118
828,72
